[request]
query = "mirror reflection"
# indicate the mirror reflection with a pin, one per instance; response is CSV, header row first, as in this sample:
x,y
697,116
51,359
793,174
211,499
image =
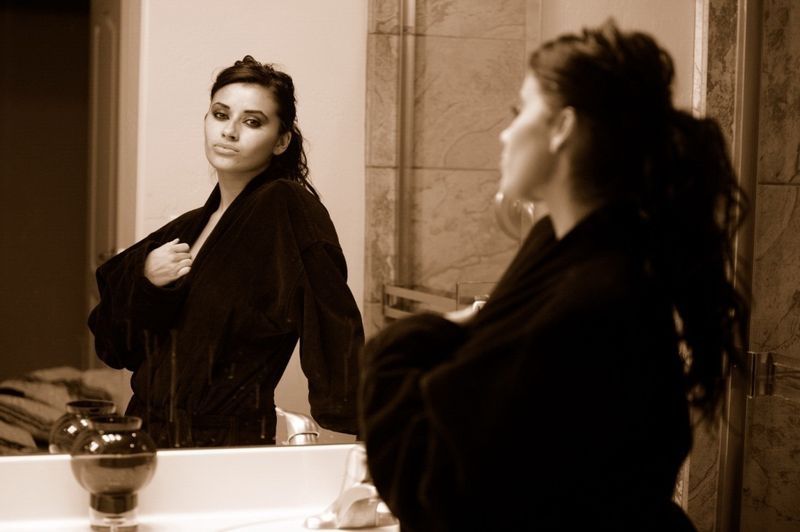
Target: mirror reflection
x,y
206,310
130,85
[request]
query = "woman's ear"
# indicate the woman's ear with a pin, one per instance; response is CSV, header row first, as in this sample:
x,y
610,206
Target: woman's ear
x,y
282,144
563,127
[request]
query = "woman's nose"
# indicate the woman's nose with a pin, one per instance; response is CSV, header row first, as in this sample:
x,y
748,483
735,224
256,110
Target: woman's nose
x,y
504,135
229,131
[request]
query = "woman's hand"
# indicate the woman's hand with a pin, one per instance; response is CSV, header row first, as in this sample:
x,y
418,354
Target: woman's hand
x,y
168,262
461,315
465,314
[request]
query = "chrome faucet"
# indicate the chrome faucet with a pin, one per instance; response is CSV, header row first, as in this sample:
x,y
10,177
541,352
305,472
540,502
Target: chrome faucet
x,y
358,504
300,428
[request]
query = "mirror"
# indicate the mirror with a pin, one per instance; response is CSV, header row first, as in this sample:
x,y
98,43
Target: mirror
x,y
155,65
433,100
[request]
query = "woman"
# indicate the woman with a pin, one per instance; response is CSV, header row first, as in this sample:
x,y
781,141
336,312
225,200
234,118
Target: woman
x,y
207,310
564,403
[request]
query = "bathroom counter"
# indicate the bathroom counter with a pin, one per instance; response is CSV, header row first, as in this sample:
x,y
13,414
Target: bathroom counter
x,y
246,489
266,521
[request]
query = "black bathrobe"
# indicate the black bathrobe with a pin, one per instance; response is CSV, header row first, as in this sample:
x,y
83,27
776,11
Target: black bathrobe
x,y
561,406
208,350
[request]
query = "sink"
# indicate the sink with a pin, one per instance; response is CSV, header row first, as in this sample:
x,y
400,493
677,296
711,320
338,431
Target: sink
x,y
245,489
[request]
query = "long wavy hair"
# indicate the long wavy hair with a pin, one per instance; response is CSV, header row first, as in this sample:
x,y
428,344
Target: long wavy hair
x,y
674,169
292,163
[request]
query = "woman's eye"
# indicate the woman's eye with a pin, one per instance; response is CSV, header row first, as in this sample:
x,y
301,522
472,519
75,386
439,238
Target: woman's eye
x,y
220,116
252,122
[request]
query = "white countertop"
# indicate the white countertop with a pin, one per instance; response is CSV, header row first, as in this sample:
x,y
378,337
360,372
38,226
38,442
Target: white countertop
x,y
275,521
244,489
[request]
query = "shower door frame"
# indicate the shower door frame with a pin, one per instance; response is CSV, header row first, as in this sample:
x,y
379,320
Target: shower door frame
x,y
745,159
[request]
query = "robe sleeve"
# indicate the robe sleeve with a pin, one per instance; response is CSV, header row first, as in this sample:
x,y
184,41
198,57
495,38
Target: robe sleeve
x,y
130,305
331,337
404,458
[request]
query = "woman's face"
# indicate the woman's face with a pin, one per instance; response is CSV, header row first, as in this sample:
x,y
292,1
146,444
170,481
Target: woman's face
x,y
527,160
242,129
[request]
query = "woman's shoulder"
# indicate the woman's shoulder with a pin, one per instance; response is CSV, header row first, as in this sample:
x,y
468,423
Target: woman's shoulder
x,y
285,190
291,197
604,280
295,205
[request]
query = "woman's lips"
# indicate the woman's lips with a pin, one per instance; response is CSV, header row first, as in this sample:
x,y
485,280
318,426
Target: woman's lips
x,y
224,149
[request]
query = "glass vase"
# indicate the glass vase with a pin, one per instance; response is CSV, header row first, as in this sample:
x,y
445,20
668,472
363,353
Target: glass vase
x,y
76,420
113,459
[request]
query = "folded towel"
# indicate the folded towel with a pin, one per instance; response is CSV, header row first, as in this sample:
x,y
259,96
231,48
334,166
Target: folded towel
x,y
56,373
54,387
29,414
15,440
73,379
56,395
31,403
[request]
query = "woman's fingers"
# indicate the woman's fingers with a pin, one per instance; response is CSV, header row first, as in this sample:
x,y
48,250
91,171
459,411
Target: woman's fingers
x,y
184,267
168,262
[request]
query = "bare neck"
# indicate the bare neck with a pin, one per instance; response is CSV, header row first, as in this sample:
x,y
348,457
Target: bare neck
x,y
565,207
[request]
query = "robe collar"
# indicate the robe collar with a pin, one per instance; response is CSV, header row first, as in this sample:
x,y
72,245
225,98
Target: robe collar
x,y
227,218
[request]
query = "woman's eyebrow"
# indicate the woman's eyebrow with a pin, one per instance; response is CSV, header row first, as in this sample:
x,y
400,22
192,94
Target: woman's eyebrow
x,y
248,111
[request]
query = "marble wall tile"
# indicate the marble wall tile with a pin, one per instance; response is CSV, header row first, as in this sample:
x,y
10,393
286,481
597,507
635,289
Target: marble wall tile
x,y
771,478
498,19
779,125
455,235
464,90
379,230
775,321
721,64
383,16
381,100
703,475
373,318
380,241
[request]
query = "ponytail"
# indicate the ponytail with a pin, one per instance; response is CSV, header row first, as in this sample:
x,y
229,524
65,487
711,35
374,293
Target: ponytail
x,y
692,206
674,170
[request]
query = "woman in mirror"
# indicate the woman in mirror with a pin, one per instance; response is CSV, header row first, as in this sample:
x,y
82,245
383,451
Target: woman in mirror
x,y
207,310
564,404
